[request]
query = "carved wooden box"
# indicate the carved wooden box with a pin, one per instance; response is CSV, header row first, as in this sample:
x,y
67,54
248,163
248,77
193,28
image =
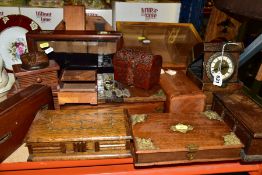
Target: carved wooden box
x,y
244,116
173,138
182,94
138,67
78,134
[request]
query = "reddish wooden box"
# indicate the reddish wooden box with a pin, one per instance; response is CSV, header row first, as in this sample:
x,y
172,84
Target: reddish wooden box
x,y
173,138
244,116
135,66
182,94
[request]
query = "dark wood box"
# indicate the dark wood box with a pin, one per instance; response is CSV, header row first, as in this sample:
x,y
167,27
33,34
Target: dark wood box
x,y
17,114
138,67
47,76
244,116
156,143
78,134
182,94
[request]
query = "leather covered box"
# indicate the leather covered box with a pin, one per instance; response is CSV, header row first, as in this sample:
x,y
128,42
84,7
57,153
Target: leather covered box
x,y
78,134
174,42
182,94
138,67
244,116
175,138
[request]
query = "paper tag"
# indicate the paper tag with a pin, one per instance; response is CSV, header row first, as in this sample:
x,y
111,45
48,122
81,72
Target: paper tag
x,y
43,45
218,79
49,50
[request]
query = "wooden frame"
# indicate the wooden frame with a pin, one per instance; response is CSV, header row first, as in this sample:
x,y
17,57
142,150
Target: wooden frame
x,y
62,35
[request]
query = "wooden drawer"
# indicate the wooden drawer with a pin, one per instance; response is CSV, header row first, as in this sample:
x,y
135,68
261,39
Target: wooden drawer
x,y
77,97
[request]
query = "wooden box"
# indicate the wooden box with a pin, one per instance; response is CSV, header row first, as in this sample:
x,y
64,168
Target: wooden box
x,y
78,86
17,114
135,66
173,42
78,134
173,138
182,94
244,116
209,88
139,101
46,76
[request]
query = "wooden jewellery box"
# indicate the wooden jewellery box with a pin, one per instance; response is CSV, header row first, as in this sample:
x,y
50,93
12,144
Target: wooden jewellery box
x,y
78,134
174,138
244,117
137,67
182,94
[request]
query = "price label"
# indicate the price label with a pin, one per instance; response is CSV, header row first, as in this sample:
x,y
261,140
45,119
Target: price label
x,y
218,79
44,45
49,50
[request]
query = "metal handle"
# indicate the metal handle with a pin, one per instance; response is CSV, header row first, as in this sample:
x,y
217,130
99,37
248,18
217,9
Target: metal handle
x,y
5,137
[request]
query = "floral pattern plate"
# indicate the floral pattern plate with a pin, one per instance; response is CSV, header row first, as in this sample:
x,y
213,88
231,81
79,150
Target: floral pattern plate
x,y
13,30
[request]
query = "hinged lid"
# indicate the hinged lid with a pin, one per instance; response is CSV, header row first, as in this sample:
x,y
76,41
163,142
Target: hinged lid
x,y
78,125
244,110
174,42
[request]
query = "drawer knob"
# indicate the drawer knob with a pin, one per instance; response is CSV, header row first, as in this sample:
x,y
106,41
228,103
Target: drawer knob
x,y
39,80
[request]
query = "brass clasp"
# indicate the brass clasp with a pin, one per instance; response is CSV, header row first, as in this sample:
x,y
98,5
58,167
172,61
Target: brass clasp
x,y
191,151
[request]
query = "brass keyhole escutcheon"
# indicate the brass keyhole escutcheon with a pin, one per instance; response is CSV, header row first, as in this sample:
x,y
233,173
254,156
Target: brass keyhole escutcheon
x,y
191,151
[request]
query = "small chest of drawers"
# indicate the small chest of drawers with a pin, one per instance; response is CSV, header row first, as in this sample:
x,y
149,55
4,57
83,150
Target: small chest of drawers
x,y
46,76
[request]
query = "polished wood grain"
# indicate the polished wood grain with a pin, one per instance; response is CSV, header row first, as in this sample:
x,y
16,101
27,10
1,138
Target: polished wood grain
x,y
182,94
17,114
174,42
77,97
78,75
174,147
72,35
217,31
79,134
244,116
74,17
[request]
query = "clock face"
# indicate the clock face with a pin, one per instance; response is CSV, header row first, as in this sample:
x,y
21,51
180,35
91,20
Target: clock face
x,y
216,63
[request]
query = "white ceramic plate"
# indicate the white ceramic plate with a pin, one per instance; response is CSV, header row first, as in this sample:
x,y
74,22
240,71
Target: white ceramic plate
x,y
13,44
13,39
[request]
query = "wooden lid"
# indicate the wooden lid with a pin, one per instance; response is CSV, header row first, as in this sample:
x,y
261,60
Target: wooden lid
x,y
19,71
245,111
78,125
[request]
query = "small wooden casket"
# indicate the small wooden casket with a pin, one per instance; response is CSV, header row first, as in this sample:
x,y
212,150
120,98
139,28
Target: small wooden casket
x,y
78,86
172,138
138,67
244,116
182,94
78,134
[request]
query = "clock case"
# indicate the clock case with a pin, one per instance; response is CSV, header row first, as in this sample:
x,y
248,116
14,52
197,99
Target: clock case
x,y
196,71
233,51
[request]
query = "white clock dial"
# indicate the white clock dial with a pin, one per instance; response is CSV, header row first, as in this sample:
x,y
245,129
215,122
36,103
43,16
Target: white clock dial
x,y
218,63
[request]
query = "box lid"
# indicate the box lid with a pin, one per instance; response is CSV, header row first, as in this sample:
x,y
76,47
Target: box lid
x,y
78,125
172,41
169,133
244,110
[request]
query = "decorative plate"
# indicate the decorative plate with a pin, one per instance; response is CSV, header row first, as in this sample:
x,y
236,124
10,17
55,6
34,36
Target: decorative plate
x,y
12,38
